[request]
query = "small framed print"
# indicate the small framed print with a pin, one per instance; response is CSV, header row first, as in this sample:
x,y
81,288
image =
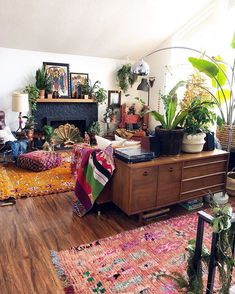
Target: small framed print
x,y
59,72
114,97
77,79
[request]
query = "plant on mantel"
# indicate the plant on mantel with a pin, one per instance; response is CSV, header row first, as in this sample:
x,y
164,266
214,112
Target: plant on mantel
x,y
94,91
43,82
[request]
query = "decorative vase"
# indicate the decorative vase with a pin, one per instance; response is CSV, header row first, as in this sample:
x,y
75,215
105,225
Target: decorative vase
x,y
49,96
170,141
193,143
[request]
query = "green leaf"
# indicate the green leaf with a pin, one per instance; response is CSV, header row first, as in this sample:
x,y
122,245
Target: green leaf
x,y
179,119
223,95
170,113
233,42
205,66
158,117
175,88
219,121
221,76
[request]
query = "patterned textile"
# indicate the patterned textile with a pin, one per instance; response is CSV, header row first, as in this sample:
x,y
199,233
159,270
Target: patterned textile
x,y
131,261
39,160
94,168
17,182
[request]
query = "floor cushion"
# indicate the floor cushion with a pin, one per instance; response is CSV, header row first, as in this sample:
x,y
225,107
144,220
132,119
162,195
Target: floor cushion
x,y
39,160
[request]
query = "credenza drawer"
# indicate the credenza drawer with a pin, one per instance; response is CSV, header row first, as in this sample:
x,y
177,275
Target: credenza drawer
x,y
205,161
201,192
202,182
202,170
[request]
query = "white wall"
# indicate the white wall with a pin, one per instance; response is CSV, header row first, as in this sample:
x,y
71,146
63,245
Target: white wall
x,y
211,31
18,69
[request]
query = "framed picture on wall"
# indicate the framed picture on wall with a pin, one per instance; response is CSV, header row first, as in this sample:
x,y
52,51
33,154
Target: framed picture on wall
x,y
77,79
114,97
60,78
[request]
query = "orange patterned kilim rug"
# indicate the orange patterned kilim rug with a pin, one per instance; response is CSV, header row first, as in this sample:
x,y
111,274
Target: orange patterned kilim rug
x,y
131,262
17,182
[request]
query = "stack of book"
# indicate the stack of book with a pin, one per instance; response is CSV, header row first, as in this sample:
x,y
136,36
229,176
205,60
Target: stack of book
x,y
192,204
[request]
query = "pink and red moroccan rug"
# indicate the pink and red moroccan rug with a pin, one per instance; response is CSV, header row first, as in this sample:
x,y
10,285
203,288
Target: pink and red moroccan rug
x,y
131,261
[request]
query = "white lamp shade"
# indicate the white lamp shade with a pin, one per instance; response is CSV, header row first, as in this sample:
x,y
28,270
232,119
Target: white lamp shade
x,y
20,102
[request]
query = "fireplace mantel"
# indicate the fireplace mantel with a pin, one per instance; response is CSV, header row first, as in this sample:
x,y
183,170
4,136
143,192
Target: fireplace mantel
x,y
67,100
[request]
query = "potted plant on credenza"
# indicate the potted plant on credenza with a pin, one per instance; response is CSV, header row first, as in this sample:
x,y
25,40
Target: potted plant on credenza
x,y
170,132
198,120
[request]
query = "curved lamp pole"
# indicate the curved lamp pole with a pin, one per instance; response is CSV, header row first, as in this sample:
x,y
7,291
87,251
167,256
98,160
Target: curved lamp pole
x,y
141,68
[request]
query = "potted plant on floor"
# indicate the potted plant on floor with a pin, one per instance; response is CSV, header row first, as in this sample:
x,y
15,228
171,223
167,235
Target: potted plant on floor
x,y
197,123
170,133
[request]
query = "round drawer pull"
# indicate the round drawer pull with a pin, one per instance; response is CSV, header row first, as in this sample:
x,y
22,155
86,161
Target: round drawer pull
x,y
145,173
170,169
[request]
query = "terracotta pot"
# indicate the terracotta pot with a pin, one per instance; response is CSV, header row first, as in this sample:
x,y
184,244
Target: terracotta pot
x,y
41,94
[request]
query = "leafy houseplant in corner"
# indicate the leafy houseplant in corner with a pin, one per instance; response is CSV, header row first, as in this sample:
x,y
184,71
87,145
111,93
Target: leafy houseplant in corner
x,y
170,133
222,76
197,123
43,82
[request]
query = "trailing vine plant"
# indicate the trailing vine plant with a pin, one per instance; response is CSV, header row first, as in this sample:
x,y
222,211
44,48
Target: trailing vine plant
x,y
221,224
125,77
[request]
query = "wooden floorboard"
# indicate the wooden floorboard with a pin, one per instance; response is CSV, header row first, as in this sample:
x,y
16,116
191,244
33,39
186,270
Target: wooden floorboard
x,y
36,225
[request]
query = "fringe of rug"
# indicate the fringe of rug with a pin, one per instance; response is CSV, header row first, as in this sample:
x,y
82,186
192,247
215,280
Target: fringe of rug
x,y
60,273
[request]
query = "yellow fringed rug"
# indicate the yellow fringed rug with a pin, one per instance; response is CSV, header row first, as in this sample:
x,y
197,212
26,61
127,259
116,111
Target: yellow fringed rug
x,y
17,182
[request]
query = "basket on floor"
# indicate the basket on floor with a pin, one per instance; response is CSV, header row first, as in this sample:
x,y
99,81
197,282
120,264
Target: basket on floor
x,y
223,133
230,184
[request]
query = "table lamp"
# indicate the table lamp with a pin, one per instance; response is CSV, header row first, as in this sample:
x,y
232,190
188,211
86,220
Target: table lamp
x,y
20,103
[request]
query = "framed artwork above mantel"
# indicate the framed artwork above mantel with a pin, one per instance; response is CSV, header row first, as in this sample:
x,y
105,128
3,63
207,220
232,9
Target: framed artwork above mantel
x,y
59,72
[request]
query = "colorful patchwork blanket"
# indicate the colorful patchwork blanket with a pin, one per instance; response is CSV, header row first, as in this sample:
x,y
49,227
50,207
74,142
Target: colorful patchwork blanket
x,y
94,168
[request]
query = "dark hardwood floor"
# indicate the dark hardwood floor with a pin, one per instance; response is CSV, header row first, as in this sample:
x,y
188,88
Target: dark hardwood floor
x,y
36,225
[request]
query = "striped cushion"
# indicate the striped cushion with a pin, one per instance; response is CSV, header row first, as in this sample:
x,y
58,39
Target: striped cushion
x,y
39,160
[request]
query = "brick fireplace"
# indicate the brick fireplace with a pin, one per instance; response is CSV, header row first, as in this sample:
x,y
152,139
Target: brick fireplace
x,y
57,113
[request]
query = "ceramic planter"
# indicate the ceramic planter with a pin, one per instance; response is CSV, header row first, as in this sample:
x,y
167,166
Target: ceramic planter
x,y
193,143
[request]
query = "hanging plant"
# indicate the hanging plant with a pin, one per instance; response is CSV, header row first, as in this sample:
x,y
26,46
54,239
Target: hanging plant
x,y
125,77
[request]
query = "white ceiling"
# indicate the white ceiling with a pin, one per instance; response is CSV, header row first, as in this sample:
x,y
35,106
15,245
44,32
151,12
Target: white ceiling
x,y
102,28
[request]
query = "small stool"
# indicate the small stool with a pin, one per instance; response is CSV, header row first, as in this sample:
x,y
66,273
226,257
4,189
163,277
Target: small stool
x,y
39,160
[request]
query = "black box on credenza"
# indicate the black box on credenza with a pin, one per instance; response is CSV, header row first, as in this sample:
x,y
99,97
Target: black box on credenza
x,y
151,143
209,142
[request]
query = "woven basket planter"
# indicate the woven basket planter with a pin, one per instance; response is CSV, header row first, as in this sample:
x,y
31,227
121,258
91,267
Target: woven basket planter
x,y
222,135
230,185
